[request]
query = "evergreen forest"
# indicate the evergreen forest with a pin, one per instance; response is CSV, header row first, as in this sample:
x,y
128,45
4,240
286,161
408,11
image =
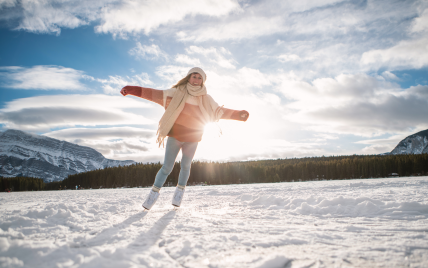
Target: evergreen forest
x,y
261,171
21,184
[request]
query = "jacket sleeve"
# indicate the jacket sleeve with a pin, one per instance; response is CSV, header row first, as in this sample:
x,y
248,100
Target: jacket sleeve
x,y
235,114
154,95
229,113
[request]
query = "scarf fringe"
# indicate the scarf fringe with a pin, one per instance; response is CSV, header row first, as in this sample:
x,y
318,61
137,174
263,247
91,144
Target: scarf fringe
x,y
160,140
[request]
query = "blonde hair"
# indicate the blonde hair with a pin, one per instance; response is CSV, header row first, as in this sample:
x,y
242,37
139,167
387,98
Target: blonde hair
x,y
184,81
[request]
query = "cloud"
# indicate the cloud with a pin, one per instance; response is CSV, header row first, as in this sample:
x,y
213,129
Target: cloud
x,y
119,143
379,146
420,24
316,38
120,18
102,133
113,84
295,20
392,114
48,112
133,17
355,104
8,3
213,55
289,57
127,149
51,117
236,29
242,81
389,75
320,137
411,54
43,77
49,16
319,39
376,149
50,77
417,91
93,101
171,73
270,18
61,116
152,52
186,60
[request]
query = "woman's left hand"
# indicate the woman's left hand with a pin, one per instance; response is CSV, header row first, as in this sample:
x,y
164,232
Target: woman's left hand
x,y
244,115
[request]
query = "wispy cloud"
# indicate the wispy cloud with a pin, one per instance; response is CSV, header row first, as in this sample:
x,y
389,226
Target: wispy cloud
x,y
110,133
8,3
186,60
289,57
42,77
236,29
133,17
222,57
120,18
97,101
113,84
152,52
171,73
49,16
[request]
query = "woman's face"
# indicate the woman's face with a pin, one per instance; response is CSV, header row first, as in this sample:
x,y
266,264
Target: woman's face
x,y
195,79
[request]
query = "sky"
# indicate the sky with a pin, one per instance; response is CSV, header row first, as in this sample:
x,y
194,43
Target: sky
x,y
318,78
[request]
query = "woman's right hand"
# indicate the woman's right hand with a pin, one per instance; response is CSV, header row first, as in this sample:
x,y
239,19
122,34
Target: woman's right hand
x,y
244,115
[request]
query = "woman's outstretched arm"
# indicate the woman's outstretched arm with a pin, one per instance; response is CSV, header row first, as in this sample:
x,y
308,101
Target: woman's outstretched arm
x,y
150,94
235,115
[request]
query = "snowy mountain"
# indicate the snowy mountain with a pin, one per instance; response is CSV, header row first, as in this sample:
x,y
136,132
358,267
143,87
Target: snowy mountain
x,y
30,155
413,144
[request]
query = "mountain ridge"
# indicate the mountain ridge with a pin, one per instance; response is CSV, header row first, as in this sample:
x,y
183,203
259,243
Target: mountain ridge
x,y
31,155
414,144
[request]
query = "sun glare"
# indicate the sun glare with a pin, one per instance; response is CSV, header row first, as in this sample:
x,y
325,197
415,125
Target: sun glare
x,y
220,142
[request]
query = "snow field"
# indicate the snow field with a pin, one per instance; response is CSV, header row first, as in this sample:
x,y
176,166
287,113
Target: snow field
x,y
349,223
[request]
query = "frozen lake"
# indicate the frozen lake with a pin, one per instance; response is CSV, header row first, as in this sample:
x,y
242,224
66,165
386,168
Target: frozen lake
x,y
350,223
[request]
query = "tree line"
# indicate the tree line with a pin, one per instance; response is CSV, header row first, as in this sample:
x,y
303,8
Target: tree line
x,y
21,184
261,171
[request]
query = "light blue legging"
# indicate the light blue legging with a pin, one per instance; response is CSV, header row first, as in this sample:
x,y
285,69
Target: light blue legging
x,y
173,146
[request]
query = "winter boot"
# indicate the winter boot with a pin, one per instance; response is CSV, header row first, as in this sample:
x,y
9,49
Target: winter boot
x,y
152,198
178,196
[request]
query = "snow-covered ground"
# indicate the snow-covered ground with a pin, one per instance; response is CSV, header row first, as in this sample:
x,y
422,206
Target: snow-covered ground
x,y
350,223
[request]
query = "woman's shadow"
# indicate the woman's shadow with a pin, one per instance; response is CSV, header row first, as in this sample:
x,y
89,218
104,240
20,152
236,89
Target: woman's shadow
x,y
149,238
107,236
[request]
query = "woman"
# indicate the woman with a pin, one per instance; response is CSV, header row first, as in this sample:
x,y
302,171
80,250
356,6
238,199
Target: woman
x,y
188,108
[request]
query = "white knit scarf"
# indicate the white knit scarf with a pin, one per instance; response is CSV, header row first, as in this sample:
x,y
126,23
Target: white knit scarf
x,y
210,113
